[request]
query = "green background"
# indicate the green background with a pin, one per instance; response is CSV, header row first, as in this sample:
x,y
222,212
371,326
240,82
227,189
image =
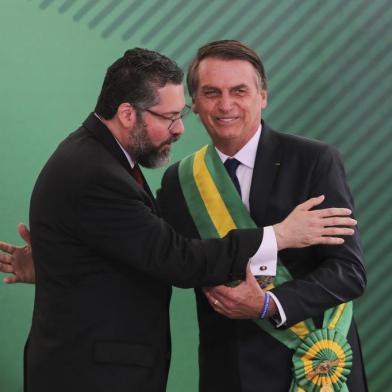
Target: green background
x,y
329,77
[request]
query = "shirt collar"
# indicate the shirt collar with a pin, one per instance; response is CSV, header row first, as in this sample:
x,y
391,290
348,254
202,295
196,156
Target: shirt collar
x,y
247,154
129,158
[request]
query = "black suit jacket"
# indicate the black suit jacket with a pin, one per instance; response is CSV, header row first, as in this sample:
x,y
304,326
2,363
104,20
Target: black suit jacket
x,y
237,355
104,265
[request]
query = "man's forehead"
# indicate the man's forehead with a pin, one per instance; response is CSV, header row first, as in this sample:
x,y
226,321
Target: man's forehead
x,y
215,70
171,97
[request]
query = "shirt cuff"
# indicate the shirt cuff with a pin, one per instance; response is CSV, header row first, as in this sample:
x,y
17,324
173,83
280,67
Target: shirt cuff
x,y
281,318
263,262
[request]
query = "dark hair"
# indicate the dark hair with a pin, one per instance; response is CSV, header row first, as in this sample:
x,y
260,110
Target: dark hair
x,y
134,78
224,50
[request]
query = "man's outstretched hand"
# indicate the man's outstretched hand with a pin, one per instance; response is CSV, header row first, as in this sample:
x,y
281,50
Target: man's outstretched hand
x,y
18,260
305,227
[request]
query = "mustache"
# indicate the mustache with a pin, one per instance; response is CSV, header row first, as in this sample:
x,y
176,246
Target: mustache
x,y
169,140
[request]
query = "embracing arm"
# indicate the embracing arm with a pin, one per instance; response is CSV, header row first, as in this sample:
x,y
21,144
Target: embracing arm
x,y
116,221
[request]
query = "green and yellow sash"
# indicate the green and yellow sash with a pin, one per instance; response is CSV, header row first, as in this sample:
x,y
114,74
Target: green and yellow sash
x,y
322,358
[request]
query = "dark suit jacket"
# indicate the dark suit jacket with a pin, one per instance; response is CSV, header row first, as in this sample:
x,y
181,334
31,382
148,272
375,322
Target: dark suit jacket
x,y
238,356
104,265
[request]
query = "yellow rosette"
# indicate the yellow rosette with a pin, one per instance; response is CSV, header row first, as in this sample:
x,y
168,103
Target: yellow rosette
x,y
323,361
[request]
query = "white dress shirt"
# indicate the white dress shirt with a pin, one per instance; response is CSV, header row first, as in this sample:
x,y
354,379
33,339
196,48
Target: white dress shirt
x,y
129,158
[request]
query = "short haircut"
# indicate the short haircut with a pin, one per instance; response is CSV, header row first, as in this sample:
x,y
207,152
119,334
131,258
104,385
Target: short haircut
x,y
135,78
224,50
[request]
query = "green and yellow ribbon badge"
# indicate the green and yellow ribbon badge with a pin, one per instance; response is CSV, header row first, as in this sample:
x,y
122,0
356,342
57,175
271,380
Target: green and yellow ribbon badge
x,y
322,358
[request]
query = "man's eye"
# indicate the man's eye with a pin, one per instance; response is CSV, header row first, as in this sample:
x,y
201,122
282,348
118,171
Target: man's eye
x,y
210,93
171,116
240,91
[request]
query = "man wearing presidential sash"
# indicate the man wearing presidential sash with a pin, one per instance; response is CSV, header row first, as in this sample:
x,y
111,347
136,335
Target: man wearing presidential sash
x,y
294,331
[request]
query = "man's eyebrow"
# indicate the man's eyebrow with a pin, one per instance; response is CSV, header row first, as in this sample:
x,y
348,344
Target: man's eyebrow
x,y
242,85
173,112
208,87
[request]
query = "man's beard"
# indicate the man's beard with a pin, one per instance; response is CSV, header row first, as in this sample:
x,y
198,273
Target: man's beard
x,y
144,152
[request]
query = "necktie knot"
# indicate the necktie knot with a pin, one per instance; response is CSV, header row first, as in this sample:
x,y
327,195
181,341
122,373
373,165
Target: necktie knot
x,y
231,165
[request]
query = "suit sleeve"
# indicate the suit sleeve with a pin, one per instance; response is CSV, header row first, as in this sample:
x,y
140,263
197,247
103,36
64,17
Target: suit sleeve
x,y
171,202
115,220
338,273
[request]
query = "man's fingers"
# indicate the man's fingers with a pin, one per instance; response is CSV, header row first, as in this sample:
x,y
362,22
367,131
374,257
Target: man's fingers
x,y
217,305
217,293
220,290
327,231
5,247
24,233
333,211
7,268
5,258
339,221
10,279
222,295
310,203
329,241
208,295
206,289
212,300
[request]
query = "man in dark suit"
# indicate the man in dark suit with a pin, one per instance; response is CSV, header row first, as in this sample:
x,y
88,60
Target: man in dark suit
x,y
105,261
275,171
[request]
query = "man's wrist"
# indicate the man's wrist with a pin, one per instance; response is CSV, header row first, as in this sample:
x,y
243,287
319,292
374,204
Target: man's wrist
x,y
272,309
279,235
266,306
279,317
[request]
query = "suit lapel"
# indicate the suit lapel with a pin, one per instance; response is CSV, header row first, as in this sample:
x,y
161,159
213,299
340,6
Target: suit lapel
x,y
100,131
266,169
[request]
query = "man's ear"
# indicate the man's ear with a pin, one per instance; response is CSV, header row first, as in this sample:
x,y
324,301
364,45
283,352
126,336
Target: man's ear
x,y
126,115
194,107
264,99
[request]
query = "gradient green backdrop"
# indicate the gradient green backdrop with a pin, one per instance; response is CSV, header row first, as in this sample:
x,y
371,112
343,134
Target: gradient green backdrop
x,y
329,69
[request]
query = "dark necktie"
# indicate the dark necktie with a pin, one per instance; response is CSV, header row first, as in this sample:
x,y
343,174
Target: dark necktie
x,y
137,175
231,165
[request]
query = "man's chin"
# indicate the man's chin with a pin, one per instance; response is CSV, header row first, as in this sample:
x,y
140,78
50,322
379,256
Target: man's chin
x,y
156,161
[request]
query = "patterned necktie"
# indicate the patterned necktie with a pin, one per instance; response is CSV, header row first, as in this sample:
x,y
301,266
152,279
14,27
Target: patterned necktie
x,y
137,175
231,165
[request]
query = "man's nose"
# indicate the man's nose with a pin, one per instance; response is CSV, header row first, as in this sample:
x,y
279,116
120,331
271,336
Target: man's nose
x,y
225,103
177,128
